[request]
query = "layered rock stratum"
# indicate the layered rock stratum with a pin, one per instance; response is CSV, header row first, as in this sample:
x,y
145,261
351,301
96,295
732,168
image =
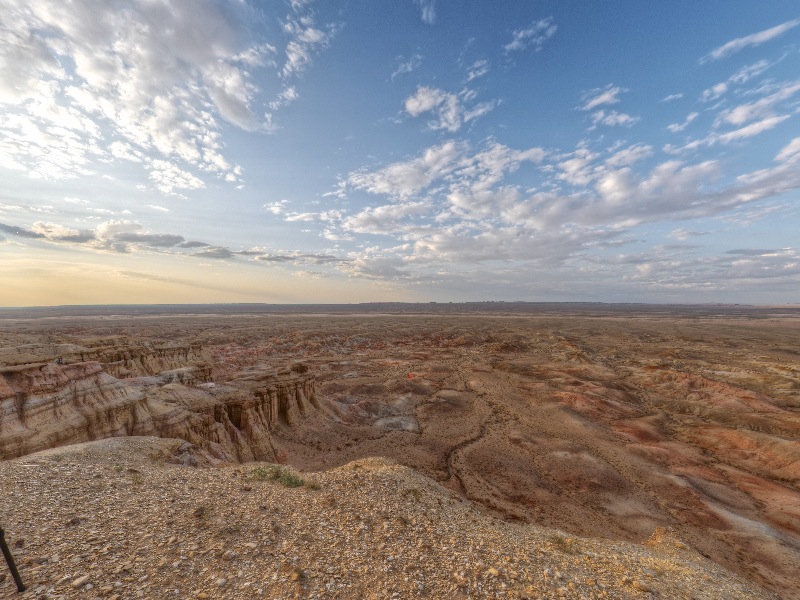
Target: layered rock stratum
x,y
121,388
605,423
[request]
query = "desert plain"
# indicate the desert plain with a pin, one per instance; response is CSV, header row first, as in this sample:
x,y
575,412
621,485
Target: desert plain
x,y
598,431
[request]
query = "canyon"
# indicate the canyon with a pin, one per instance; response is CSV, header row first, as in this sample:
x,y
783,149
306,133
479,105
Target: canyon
x,y
600,421
116,387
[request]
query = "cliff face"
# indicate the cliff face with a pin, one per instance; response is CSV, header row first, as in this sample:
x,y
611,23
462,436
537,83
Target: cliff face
x,y
43,405
126,359
121,357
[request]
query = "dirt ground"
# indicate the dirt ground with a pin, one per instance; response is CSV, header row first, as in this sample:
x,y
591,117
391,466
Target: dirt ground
x,y
599,421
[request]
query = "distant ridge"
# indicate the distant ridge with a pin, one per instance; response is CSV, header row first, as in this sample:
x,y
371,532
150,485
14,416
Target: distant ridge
x,y
513,308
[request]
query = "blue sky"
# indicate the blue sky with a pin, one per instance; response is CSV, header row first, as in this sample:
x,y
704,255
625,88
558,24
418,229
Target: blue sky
x,y
416,150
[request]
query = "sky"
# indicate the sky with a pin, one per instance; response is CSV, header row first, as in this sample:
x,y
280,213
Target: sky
x,y
197,151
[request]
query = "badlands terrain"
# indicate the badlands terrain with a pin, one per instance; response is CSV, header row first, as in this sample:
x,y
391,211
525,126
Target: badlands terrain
x,y
464,450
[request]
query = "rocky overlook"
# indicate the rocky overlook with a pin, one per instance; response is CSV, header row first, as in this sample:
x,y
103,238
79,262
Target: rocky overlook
x,y
122,518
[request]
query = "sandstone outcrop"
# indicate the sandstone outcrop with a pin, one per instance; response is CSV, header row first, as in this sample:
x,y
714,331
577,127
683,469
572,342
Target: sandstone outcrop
x,y
47,404
121,357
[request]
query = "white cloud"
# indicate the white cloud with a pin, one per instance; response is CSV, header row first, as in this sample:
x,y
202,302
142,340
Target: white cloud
x,y
231,90
683,234
479,110
790,152
478,69
488,167
114,235
623,199
371,266
752,130
714,92
675,269
335,236
754,39
156,75
307,216
305,39
600,97
741,76
678,127
750,118
276,208
126,151
614,118
672,97
578,168
475,204
283,257
28,62
533,36
758,109
43,149
406,178
450,109
54,231
629,156
451,163
123,236
424,100
427,11
287,96
384,219
168,178
407,66
324,217
748,72
156,79
257,55
215,252
456,206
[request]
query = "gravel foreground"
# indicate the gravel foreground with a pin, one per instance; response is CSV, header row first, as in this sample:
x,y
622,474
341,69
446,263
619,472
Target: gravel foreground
x,y
124,518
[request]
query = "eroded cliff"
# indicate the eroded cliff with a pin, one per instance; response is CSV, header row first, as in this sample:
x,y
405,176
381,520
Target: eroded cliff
x,y
130,392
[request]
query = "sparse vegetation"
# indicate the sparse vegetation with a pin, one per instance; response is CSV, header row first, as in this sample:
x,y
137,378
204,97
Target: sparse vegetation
x,y
283,475
564,544
414,493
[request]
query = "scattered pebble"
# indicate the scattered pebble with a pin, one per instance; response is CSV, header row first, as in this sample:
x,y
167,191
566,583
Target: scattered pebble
x,y
377,539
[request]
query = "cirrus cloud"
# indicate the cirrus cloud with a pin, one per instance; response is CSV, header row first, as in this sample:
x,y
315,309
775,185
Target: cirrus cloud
x,y
754,39
533,36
